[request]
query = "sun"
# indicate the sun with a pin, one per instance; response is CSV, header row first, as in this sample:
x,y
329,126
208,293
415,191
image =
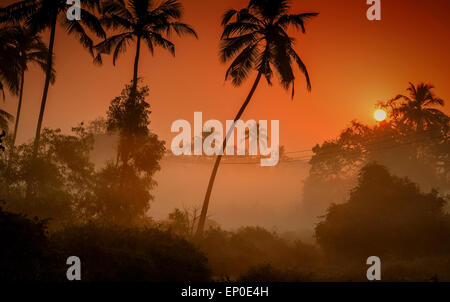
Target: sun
x,y
380,115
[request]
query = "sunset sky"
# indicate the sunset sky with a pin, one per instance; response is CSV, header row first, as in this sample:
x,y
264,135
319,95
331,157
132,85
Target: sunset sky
x,y
353,63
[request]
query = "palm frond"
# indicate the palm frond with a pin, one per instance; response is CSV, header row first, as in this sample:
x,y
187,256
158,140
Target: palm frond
x,y
170,9
5,119
149,41
229,14
162,42
242,65
93,23
116,7
296,20
18,11
180,29
229,47
116,21
281,59
239,28
121,47
106,46
301,66
75,28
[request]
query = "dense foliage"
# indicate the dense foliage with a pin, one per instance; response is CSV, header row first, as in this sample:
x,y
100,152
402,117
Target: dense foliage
x,y
386,216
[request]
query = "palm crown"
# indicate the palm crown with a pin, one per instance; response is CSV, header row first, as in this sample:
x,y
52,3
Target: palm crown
x,y
256,38
416,109
27,46
141,19
42,14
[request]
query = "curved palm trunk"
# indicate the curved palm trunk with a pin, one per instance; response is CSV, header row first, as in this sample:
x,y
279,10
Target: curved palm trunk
x,y
19,108
46,86
134,85
202,220
125,153
136,66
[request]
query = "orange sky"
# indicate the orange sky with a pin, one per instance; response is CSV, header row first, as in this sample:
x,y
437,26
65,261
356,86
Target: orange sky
x,y
353,63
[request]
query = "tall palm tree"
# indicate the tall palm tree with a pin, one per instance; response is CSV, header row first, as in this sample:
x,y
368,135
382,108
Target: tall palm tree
x,y
257,40
39,15
29,49
416,109
137,21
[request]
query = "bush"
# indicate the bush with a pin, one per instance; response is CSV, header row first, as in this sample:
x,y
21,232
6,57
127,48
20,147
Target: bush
x,y
386,216
131,254
24,252
232,254
268,273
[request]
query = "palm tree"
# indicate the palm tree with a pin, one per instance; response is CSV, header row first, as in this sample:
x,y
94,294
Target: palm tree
x,y
39,15
415,109
137,21
257,40
29,49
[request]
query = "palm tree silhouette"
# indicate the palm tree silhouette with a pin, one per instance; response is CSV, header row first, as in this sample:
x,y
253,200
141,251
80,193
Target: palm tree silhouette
x,y
29,49
39,15
415,110
139,20
257,40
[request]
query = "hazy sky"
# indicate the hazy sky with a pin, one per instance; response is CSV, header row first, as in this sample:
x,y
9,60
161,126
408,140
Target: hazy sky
x,y
353,63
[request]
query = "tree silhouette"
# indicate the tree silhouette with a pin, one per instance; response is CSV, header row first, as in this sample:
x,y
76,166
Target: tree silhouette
x,y
39,15
387,216
415,109
257,40
30,49
122,191
139,20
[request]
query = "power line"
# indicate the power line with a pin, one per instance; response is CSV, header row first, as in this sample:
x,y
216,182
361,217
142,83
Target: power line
x,y
376,142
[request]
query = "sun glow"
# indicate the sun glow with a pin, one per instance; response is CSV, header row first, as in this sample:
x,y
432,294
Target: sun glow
x,y
380,115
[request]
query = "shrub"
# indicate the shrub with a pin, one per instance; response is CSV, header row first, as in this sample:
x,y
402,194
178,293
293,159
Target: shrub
x,y
386,216
24,252
111,253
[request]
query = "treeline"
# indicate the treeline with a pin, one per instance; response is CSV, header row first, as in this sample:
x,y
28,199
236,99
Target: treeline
x,y
413,142
107,253
62,183
386,216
